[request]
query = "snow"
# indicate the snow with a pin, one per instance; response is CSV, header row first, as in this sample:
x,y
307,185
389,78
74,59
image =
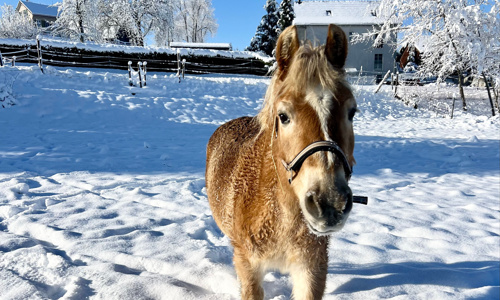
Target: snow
x,y
201,45
102,193
336,12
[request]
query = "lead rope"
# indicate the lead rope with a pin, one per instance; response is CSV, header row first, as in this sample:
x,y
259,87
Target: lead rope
x,y
272,154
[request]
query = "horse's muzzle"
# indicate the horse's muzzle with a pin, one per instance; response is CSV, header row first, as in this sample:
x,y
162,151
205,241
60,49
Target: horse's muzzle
x,y
327,212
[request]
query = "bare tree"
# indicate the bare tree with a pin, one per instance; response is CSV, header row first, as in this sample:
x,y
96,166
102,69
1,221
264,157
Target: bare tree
x,y
195,20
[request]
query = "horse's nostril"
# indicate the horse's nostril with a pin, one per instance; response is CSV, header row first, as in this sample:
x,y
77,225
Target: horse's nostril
x,y
312,203
348,202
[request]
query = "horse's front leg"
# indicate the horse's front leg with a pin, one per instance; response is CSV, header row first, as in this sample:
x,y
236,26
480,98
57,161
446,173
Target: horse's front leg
x,y
250,277
309,281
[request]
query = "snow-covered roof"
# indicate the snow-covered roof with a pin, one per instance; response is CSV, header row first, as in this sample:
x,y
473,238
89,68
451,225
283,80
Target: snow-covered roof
x,y
216,46
336,12
39,9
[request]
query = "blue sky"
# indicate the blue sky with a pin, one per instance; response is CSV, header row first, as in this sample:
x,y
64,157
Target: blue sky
x,y
237,20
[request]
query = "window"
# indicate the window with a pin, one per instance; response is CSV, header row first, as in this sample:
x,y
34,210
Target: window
x,y
377,66
328,12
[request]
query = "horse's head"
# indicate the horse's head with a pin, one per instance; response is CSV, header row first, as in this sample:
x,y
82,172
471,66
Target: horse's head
x,y
309,100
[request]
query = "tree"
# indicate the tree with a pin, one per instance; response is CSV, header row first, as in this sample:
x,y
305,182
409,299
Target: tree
x,y
101,20
267,32
460,34
286,15
80,20
135,17
16,25
195,19
164,27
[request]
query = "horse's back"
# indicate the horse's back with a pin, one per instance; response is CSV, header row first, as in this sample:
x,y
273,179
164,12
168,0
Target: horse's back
x,y
227,157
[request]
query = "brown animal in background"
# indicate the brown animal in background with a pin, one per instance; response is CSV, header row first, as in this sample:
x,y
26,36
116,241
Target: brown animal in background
x,y
279,211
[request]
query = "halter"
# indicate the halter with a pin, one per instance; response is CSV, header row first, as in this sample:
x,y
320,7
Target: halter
x,y
294,166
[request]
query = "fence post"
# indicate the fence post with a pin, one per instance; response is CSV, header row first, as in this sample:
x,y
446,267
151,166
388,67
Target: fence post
x,y
139,70
130,73
145,71
383,80
178,65
39,51
1,59
13,61
397,83
183,67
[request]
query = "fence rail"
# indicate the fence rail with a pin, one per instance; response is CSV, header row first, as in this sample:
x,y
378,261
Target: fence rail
x,y
163,62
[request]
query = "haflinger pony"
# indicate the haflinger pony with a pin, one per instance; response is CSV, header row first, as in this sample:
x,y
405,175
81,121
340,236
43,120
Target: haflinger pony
x,y
277,183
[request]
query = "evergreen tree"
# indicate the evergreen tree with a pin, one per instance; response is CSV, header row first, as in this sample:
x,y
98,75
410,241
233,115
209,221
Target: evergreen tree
x,y
267,32
286,15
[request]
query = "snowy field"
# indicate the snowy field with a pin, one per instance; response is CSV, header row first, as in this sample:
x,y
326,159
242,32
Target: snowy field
x,y
102,193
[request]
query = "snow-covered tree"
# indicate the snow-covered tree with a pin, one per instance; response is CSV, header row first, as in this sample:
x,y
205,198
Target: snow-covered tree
x,y
195,19
286,15
267,32
101,20
461,35
16,25
135,17
77,20
164,26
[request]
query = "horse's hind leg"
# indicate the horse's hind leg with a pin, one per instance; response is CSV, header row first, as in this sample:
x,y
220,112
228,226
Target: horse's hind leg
x,y
250,277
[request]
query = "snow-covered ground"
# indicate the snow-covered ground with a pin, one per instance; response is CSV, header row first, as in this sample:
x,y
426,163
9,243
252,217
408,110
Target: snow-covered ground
x,y
102,193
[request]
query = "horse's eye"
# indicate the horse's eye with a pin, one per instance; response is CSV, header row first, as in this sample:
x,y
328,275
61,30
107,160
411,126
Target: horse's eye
x,y
351,114
284,118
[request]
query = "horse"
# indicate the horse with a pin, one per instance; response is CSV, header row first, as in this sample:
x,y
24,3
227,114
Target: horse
x,y
277,183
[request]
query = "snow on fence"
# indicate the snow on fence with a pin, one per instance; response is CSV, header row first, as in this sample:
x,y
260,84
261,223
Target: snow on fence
x,y
201,62
141,73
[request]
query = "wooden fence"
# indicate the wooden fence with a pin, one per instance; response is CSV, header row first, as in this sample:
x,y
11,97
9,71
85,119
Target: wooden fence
x,y
156,61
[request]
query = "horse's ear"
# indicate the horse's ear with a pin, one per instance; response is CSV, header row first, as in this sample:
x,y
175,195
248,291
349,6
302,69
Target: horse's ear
x,y
336,46
288,44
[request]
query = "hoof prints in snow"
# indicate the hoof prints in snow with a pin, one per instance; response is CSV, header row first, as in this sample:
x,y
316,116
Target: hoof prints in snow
x,y
102,193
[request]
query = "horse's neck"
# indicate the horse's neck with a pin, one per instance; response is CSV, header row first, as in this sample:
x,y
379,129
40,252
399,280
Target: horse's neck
x,y
275,189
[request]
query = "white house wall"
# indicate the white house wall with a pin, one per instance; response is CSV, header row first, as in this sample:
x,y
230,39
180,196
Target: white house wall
x,y
360,55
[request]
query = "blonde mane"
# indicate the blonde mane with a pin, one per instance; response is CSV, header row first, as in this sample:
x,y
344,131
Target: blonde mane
x,y
309,68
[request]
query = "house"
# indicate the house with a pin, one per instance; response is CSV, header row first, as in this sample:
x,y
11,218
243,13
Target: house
x,y
313,17
42,15
409,54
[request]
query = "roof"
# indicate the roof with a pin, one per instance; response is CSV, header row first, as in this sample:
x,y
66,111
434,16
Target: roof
x,y
39,9
218,46
336,12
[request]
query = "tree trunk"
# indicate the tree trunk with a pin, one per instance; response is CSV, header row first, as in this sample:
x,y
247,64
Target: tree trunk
x,y
495,92
139,39
489,94
461,89
79,14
